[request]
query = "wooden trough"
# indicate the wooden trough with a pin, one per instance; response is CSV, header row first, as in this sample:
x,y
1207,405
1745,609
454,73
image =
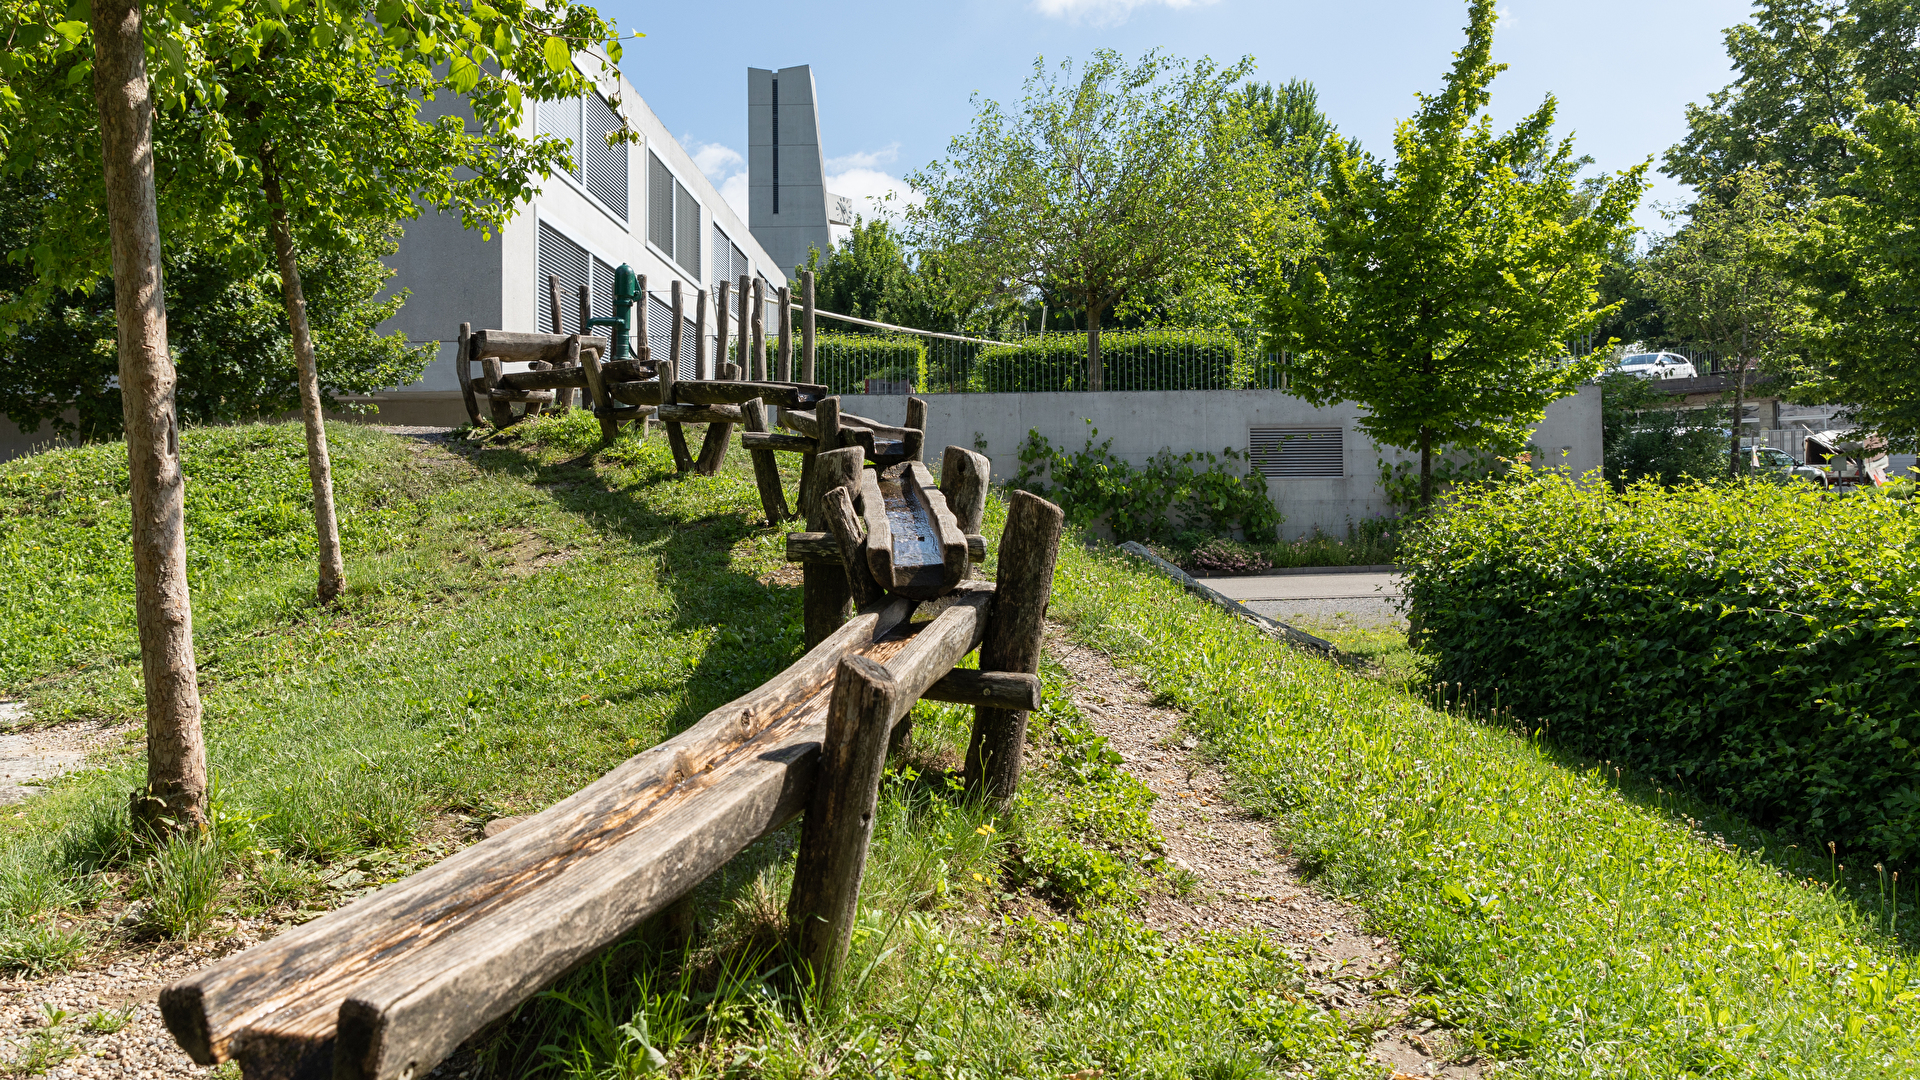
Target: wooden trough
x,y
387,986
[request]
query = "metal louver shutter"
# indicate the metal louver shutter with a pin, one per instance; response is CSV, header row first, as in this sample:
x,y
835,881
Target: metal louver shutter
x,y
686,230
602,293
660,187
686,369
659,326
606,166
561,119
1285,453
722,269
739,263
568,261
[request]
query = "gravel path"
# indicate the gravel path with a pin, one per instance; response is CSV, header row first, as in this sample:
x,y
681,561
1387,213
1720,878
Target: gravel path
x,y
1245,882
29,758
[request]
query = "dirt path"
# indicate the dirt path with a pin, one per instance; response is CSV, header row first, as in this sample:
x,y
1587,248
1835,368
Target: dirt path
x,y
1244,881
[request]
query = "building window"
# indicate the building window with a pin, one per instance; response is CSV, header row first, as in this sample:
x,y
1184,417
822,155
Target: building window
x,y
561,258
1286,453
585,123
776,146
673,217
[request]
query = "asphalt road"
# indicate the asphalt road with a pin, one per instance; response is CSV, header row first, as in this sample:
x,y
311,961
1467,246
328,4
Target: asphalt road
x,y
1362,598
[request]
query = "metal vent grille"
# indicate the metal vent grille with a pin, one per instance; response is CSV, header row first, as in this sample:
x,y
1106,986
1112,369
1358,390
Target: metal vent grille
x,y
602,293
562,258
1285,453
561,119
686,230
722,247
660,187
606,166
659,326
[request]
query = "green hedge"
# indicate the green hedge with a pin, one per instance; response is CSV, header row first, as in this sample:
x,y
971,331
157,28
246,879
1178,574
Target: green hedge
x,y
846,361
1753,642
1142,360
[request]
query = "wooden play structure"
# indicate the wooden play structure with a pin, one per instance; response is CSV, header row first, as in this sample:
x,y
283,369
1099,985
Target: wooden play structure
x,y
386,987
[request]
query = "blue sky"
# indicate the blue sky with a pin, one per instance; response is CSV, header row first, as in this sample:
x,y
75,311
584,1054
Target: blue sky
x,y
896,79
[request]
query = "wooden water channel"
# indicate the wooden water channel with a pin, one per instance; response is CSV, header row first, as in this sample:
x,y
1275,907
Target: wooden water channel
x,y
386,987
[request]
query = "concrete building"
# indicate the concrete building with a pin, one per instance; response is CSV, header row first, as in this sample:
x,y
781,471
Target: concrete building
x,y
643,203
788,205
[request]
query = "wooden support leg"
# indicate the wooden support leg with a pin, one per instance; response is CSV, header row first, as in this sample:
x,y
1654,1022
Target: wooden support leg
x,y
839,820
677,441
1022,588
766,471
713,449
825,591
464,368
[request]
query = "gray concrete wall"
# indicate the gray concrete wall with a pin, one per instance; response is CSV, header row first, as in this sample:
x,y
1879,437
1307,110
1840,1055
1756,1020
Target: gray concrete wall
x,y
16,443
801,219
1143,424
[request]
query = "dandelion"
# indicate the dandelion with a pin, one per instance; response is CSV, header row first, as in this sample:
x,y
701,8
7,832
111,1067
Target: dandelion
x,y
985,830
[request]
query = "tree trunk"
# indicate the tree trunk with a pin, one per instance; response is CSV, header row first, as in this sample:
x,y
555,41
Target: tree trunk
x,y
333,572
176,793
1426,467
1096,378
1739,414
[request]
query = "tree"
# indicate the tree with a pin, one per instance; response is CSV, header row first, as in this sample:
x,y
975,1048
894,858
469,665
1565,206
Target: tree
x,y
1109,182
1859,342
1719,281
1290,120
401,39
1447,286
1644,436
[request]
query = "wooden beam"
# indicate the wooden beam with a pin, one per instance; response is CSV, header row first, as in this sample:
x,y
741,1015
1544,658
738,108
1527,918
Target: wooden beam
x,y
635,393
720,360
702,414
734,392
1024,583
989,689
766,470
699,334
773,440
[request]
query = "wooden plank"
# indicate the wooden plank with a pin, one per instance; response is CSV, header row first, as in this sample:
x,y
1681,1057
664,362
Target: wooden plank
x,y
1024,584
991,689
548,379
766,471
713,448
963,480
272,1000
774,440
820,547
947,533
702,414
746,326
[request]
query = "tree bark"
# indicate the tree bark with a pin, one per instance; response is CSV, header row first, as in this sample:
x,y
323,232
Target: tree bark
x,y
1739,415
175,795
1096,378
333,571
1426,467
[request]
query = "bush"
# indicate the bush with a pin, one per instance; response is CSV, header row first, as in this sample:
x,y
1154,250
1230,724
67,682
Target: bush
x,y
1165,498
1224,556
1752,641
1141,360
846,361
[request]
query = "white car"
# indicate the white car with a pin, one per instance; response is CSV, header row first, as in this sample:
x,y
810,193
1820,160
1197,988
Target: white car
x,y
1660,365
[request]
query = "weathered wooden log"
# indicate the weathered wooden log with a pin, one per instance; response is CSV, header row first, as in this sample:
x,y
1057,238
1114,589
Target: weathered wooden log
x,y
963,480
746,326
913,546
701,414
803,547
603,406
1014,691
735,392
773,440
463,362
826,424
766,471
719,335
878,553
410,971
887,432
700,334
916,425
844,525
807,370
824,589
676,436
757,367
713,449
512,346
952,540
528,397
559,378
783,352
839,821
1024,584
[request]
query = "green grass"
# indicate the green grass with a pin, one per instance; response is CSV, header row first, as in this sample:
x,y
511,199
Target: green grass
x,y
1563,918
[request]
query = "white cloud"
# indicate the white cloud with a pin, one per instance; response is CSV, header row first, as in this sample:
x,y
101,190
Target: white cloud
x,y
725,167
869,189
1105,12
865,159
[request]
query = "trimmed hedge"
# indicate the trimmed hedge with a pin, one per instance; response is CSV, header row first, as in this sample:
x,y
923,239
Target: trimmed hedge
x,y
1754,642
846,361
1137,360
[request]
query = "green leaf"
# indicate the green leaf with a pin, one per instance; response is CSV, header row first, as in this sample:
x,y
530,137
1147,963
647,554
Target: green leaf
x,y
322,36
463,75
70,30
559,55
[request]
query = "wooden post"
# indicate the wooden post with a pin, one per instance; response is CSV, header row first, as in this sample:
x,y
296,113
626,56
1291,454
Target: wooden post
x,y
596,390
806,328
760,326
1022,588
676,435
746,325
766,469
963,480
844,524
491,371
825,591
839,820
783,355
916,426
463,365
720,331
700,335
641,344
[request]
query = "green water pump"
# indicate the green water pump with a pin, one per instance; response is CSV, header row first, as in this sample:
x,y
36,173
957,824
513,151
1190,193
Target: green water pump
x,y
626,290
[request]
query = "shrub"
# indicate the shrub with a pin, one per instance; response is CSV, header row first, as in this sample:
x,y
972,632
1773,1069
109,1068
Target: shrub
x,y
1167,496
846,361
1225,556
1141,360
1751,640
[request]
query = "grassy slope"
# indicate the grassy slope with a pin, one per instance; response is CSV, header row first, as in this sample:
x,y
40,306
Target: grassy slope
x,y
1575,926
516,625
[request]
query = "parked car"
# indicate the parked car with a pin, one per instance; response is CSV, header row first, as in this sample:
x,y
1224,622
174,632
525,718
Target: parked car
x,y
1660,365
1768,459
